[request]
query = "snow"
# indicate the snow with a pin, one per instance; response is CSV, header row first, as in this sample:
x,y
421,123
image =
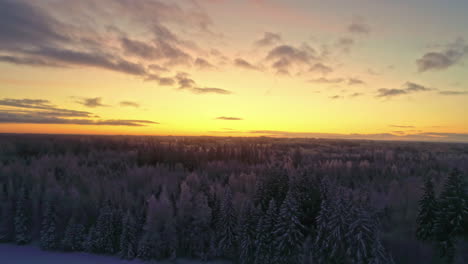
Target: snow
x,y
13,254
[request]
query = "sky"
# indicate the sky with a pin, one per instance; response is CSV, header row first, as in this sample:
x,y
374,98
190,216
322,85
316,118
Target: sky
x,y
364,69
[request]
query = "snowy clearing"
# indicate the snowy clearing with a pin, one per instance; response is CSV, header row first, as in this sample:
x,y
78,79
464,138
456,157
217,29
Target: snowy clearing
x,y
13,254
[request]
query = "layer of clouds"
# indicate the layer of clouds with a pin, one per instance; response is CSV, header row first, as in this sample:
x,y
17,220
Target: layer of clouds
x,y
421,136
449,56
40,111
453,92
408,88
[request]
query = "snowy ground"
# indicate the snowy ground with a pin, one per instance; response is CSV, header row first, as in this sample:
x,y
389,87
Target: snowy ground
x,y
12,254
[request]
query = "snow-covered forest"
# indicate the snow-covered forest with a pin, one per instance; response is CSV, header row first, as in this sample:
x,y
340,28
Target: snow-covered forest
x,y
246,200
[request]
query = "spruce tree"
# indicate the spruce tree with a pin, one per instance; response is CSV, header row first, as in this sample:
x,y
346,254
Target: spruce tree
x,y
289,232
247,227
201,235
453,211
48,234
89,241
227,226
427,212
128,238
23,218
74,236
265,236
104,242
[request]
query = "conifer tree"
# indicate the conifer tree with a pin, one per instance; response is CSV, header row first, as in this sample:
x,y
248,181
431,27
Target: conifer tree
x,y
227,226
49,227
128,238
427,212
201,235
453,211
22,218
89,240
104,242
289,232
74,236
247,227
265,249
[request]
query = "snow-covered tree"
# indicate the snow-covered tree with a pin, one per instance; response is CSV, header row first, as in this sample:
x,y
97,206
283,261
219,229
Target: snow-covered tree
x,y
48,236
265,236
128,238
23,218
201,234
89,240
104,241
427,212
452,214
247,230
289,232
227,226
74,236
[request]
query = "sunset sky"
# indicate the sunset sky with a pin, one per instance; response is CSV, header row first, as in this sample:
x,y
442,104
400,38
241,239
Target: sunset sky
x,y
298,68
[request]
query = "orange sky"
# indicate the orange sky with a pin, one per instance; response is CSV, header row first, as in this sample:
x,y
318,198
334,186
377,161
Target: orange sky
x,y
235,68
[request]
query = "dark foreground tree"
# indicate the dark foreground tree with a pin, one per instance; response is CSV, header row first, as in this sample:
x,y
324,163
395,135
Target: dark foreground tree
x,y
427,212
452,213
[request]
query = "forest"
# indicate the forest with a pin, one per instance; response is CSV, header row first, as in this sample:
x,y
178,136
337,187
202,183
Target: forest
x,y
247,200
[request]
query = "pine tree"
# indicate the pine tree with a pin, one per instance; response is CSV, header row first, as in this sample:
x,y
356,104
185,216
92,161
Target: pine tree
x,y
289,232
363,238
147,246
128,238
427,212
74,236
201,235
453,211
322,242
227,226
265,235
247,228
49,227
104,241
23,218
89,240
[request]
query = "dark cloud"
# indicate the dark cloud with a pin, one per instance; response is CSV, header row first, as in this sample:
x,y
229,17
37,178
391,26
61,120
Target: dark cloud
x,y
186,83
321,68
130,104
440,60
157,68
163,81
358,26
40,111
408,88
356,94
91,102
285,56
453,92
244,64
39,118
44,105
229,118
327,80
199,90
345,44
336,97
203,64
268,39
355,81
139,48
30,61
402,126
